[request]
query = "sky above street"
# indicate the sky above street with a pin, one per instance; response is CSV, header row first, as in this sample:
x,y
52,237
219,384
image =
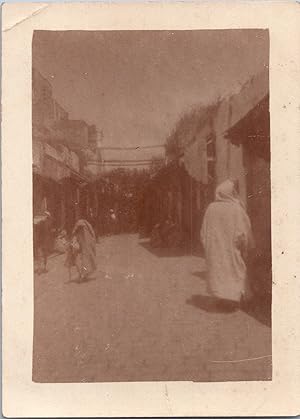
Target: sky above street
x,y
136,84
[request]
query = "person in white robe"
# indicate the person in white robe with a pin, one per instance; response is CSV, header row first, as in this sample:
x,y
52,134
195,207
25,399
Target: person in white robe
x,y
226,236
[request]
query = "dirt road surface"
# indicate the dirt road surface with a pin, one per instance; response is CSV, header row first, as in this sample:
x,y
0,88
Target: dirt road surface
x,y
144,316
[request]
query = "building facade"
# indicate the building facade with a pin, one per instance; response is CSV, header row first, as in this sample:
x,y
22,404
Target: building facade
x,y
205,155
60,177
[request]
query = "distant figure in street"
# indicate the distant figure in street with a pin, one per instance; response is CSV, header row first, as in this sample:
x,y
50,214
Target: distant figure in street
x,y
112,214
113,221
43,240
226,236
82,251
155,238
90,217
170,233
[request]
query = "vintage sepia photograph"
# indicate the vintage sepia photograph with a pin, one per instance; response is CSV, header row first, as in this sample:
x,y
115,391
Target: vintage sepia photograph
x,y
151,206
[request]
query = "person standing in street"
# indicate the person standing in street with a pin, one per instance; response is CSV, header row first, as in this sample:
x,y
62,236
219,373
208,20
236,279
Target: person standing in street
x,y
113,221
43,240
82,252
226,236
93,221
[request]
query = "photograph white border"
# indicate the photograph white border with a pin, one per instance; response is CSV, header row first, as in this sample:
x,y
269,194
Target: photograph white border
x,y
24,398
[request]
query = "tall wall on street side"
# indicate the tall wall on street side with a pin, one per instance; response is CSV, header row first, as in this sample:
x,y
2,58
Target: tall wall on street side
x,y
229,161
230,158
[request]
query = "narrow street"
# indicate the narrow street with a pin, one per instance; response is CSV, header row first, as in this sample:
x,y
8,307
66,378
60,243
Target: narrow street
x,y
144,316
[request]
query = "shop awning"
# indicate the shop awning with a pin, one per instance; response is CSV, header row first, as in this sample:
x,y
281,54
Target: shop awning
x,y
253,130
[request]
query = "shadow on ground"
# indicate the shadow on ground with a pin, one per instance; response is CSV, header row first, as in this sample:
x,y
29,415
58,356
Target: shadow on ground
x,y
183,250
211,304
164,252
200,274
259,308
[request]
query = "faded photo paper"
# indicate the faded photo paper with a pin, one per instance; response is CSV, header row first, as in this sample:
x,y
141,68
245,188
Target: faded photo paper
x,y
149,209
129,174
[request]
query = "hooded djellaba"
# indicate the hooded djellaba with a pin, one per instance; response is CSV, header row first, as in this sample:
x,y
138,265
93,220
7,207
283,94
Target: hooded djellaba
x,y
226,236
82,252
